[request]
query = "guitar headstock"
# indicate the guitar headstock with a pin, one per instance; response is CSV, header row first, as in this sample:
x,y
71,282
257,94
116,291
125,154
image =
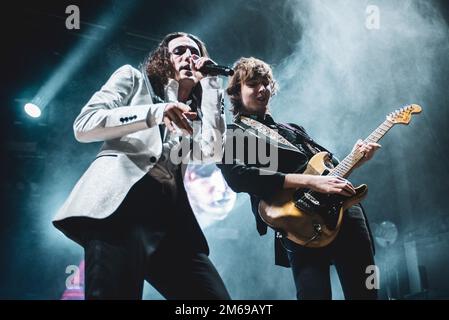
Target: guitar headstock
x,y
404,114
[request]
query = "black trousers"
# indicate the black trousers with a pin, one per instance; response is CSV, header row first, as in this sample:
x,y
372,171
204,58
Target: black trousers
x,y
154,237
351,253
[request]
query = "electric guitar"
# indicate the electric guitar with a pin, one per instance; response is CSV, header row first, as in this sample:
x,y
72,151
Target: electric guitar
x,y
313,219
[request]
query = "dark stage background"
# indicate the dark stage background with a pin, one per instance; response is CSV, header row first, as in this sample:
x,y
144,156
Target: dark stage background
x,y
339,76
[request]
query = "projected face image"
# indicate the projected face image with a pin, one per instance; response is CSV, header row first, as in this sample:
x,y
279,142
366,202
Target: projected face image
x,y
209,195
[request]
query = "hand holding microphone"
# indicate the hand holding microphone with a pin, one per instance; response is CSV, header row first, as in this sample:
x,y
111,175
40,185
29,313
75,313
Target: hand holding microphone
x,y
207,66
216,70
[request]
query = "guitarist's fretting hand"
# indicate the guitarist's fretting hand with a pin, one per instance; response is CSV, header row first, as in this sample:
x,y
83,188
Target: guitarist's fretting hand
x,y
322,184
368,150
331,184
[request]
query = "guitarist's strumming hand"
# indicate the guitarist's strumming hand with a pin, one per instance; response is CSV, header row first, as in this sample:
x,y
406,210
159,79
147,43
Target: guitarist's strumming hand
x,y
368,150
322,184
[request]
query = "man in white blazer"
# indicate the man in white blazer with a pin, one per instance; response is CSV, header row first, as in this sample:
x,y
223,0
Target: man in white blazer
x,y
129,210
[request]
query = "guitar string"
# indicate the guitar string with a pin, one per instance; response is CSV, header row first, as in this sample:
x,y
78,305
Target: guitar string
x,y
387,123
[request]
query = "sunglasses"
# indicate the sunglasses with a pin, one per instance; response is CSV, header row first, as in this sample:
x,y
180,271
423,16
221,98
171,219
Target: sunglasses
x,y
178,51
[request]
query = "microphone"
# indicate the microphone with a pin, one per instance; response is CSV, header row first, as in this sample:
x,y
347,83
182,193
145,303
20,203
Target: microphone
x,y
215,70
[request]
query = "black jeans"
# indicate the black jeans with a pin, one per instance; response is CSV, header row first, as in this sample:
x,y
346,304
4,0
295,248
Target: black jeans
x,y
351,253
145,239
117,271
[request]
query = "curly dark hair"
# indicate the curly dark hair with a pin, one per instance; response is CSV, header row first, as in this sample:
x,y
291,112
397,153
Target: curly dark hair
x,y
247,69
158,65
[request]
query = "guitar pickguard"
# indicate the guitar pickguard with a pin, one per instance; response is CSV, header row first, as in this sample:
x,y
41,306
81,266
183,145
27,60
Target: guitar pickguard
x,y
326,206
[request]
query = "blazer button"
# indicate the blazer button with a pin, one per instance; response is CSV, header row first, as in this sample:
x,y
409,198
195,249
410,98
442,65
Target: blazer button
x,y
153,159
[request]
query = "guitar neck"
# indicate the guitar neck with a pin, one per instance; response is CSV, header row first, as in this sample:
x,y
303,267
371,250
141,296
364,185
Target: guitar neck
x,y
344,168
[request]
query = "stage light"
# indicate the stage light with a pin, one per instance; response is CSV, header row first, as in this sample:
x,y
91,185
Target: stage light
x,y
32,110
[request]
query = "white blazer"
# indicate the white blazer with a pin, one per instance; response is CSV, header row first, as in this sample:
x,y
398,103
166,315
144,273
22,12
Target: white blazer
x,y
117,115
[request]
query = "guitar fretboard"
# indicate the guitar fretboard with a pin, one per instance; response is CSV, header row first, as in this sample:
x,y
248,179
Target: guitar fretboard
x,y
346,165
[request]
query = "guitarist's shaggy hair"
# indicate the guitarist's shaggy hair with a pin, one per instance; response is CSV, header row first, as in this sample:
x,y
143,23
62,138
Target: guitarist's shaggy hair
x,y
248,69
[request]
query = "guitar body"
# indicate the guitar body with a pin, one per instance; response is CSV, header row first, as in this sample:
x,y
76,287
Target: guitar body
x,y
313,219
306,217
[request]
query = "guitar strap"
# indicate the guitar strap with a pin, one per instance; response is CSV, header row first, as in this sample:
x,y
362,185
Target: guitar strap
x,y
308,141
268,133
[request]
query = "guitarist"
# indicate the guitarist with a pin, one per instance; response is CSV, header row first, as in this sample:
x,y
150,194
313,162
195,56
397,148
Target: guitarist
x,y
250,90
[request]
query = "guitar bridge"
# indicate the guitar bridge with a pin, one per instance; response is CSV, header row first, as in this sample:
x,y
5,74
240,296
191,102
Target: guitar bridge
x,y
307,203
303,205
